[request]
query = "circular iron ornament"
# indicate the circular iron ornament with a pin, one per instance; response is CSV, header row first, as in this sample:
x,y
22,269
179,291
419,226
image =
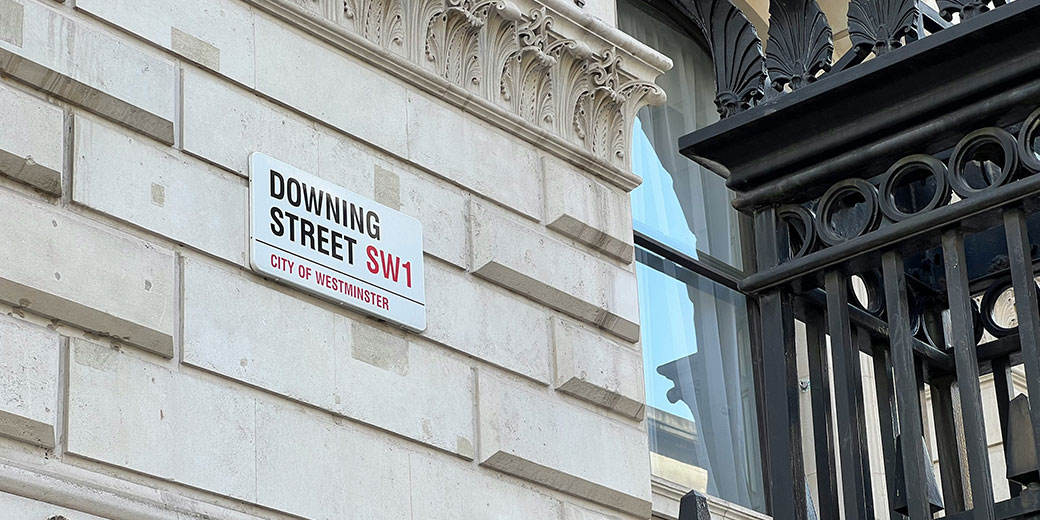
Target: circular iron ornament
x,y
855,220
989,302
916,310
970,146
873,285
793,216
899,172
1030,131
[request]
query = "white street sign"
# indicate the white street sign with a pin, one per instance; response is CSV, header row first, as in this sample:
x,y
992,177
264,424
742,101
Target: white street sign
x,y
329,241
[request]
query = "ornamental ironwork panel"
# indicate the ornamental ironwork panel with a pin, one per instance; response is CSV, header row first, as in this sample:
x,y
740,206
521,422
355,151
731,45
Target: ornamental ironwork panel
x,y
896,208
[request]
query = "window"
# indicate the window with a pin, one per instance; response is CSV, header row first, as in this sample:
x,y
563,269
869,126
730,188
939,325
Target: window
x,y
700,393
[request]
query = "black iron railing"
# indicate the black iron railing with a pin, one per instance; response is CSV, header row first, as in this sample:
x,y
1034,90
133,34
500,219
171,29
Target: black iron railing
x,y
894,203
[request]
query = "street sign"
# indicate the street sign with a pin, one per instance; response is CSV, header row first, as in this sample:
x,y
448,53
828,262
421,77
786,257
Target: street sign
x,y
329,241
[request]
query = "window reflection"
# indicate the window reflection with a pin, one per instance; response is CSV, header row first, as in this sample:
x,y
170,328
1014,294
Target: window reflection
x,y
699,385
679,203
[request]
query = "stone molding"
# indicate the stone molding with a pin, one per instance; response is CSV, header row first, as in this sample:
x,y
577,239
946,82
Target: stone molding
x,y
541,69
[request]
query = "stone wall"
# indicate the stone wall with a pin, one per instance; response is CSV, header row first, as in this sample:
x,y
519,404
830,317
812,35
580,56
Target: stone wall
x,y
147,373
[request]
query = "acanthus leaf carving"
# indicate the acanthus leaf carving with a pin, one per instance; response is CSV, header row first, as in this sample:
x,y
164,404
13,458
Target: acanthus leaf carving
x,y
379,21
611,100
800,44
513,59
879,26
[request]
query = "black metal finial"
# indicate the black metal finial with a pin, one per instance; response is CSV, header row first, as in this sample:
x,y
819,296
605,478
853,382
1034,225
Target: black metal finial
x,y
966,8
736,51
800,44
879,26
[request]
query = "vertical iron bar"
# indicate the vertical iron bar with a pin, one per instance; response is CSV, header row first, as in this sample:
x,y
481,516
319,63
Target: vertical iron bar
x,y
783,422
1004,387
962,339
863,343
1019,254
946,437
887,417
787,470
820,388
907,398
847,385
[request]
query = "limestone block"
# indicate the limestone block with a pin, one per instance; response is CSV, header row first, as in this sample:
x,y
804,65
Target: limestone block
x,y
28,381
327,360
573,512
464,150
408,388
442,210
312,466
87,66
160,190
329,85
349,163
102,280
598,370
475,319
239,328
172,425
31,140
217,34
533,436
443,213
526,261
21,508
246,124
588,211
444,489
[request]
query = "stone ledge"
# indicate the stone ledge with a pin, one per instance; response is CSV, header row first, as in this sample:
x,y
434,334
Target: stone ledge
x,y
76,62
28,381
523,259
533,436
31,141
130,296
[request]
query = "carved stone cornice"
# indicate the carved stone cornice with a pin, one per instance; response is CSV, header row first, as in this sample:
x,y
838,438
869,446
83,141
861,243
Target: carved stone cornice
x,y
543,70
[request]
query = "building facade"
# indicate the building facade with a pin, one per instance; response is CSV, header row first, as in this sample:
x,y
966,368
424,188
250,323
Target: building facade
x,y
588,352
147,372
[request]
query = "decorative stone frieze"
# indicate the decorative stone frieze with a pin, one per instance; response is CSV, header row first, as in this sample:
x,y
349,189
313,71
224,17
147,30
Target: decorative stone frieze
x,y
551,69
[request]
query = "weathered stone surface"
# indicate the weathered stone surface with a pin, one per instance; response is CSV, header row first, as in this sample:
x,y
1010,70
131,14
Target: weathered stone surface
x,y
466,151
473,318
88,67
330,86
522,259
328,360
31,139
94,277
172,425
246,124
531,435
270,346
444,489
573,512
160,190
407,388
588,211
443,213
28,381
598,370
313,466
442,210
20,508
217,34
